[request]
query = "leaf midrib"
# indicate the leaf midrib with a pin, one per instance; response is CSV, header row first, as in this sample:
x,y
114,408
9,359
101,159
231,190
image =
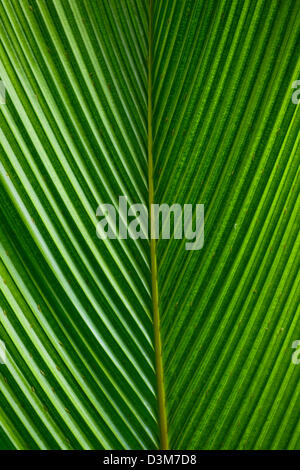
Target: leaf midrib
x,y
162,414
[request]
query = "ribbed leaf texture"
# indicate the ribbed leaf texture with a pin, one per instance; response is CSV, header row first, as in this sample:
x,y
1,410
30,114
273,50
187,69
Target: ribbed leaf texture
x,y
86,83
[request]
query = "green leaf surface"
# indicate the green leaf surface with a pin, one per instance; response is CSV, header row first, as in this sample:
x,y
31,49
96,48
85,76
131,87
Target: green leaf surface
x,y
131,344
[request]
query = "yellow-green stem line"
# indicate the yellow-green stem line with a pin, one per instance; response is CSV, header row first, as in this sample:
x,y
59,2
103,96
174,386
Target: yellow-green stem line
x,y
162,415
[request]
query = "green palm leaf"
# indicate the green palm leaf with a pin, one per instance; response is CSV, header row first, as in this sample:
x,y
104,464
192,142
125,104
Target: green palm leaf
x,y
129,344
